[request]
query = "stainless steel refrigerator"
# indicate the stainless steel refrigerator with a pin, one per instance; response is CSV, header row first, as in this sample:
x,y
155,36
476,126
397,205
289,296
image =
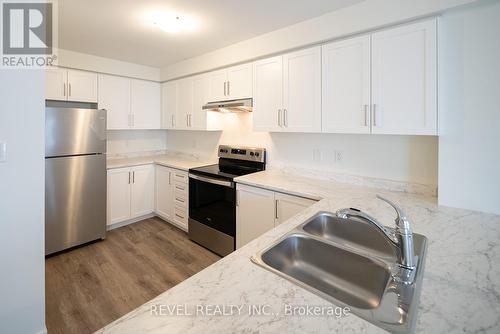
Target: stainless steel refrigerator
x,y
75,177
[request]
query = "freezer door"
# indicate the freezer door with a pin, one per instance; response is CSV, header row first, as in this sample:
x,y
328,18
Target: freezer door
x,y
72,131
75,201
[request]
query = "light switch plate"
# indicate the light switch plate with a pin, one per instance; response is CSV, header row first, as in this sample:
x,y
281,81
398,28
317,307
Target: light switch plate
x,y
3,151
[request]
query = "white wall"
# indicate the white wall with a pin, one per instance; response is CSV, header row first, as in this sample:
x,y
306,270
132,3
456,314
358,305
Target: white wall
x,y
401,158
22,263
130,141
89,62
364,16
469,158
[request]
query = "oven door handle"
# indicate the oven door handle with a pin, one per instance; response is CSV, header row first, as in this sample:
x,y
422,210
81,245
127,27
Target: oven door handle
x,y
223,183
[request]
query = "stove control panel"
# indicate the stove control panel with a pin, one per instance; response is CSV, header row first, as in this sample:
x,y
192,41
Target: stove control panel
x,y
242,153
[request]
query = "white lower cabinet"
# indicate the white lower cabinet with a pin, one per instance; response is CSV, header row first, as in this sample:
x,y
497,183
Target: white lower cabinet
x,y
259,210
130,193
172,195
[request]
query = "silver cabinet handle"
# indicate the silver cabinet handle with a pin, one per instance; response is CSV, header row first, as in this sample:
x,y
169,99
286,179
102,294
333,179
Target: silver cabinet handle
x,y
366,115
69,88
177,187
279,117
179,216
285,118
64,89
276,208
133,177
225,82
169,178
179,199
187,121
128,177
374,115
229,88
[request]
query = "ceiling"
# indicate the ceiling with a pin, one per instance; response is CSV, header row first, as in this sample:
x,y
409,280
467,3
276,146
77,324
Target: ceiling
x,y
122,29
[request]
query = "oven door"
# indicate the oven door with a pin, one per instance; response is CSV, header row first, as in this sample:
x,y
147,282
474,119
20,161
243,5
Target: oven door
x,y
212,212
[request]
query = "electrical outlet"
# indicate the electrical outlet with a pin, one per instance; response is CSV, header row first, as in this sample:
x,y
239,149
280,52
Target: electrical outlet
x,y
338,156
3,151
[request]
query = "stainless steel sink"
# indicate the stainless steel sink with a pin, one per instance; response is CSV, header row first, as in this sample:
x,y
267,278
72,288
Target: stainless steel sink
x,y
348,263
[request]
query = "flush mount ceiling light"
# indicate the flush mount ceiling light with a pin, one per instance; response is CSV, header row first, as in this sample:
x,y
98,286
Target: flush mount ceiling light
x,y
171,22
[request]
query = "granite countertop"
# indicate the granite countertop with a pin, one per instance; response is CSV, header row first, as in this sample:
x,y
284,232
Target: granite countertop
x,y
172,160
460,293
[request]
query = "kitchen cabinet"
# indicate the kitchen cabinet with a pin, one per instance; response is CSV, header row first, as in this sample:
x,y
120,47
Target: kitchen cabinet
x,y
346,86
254,213
145,105
288,206
164,202
231,83
70,85
172,196
404,80
130,193
114,96
287,92
119,191
268,94
142,191
182,102
259,210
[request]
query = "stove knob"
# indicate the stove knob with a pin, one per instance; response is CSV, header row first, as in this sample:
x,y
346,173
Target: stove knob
x,y
257,154
252,154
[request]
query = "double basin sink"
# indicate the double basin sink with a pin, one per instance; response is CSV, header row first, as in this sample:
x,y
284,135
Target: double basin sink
x,y
351,264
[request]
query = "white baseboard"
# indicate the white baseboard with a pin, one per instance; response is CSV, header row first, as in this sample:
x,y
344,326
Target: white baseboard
x,y
138,219
129,221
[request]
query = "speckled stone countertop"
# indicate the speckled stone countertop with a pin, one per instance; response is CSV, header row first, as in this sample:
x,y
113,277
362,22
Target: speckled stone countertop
x,y
178,161
461,286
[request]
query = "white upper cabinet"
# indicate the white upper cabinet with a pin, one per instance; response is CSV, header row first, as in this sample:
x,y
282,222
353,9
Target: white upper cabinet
x,y
404,80
55,85
287,92
202,119
184,114
231,83
267,94
82,86
169,103
239,82
218,85
71,85
145,105
346,86
114,96
302,91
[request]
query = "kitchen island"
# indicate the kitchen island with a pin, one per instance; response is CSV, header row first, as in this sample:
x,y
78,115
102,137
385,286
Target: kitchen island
x,y
460,293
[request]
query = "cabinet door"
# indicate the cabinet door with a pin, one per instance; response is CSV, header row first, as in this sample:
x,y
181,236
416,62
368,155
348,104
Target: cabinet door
x,y
164,192
302,91
218,86
169,98
268,94
185,104
145,105
56,84
142,193
288,206
346,86
404,80
119,181
82,86
239,82
201,91
114,96
254,213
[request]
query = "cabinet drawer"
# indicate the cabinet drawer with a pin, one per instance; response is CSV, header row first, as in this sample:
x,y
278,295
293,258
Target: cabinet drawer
x,y
180,216
180,201
181,177
181,188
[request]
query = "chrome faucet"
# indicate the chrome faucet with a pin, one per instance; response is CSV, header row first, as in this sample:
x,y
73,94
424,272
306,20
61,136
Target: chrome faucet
x,y
402,237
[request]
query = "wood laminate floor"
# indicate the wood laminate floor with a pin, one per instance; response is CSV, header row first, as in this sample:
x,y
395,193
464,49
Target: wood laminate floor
x,y
89,287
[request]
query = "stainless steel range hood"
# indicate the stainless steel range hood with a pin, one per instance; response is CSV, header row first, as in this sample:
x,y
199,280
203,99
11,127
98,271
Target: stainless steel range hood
x,y
242,105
